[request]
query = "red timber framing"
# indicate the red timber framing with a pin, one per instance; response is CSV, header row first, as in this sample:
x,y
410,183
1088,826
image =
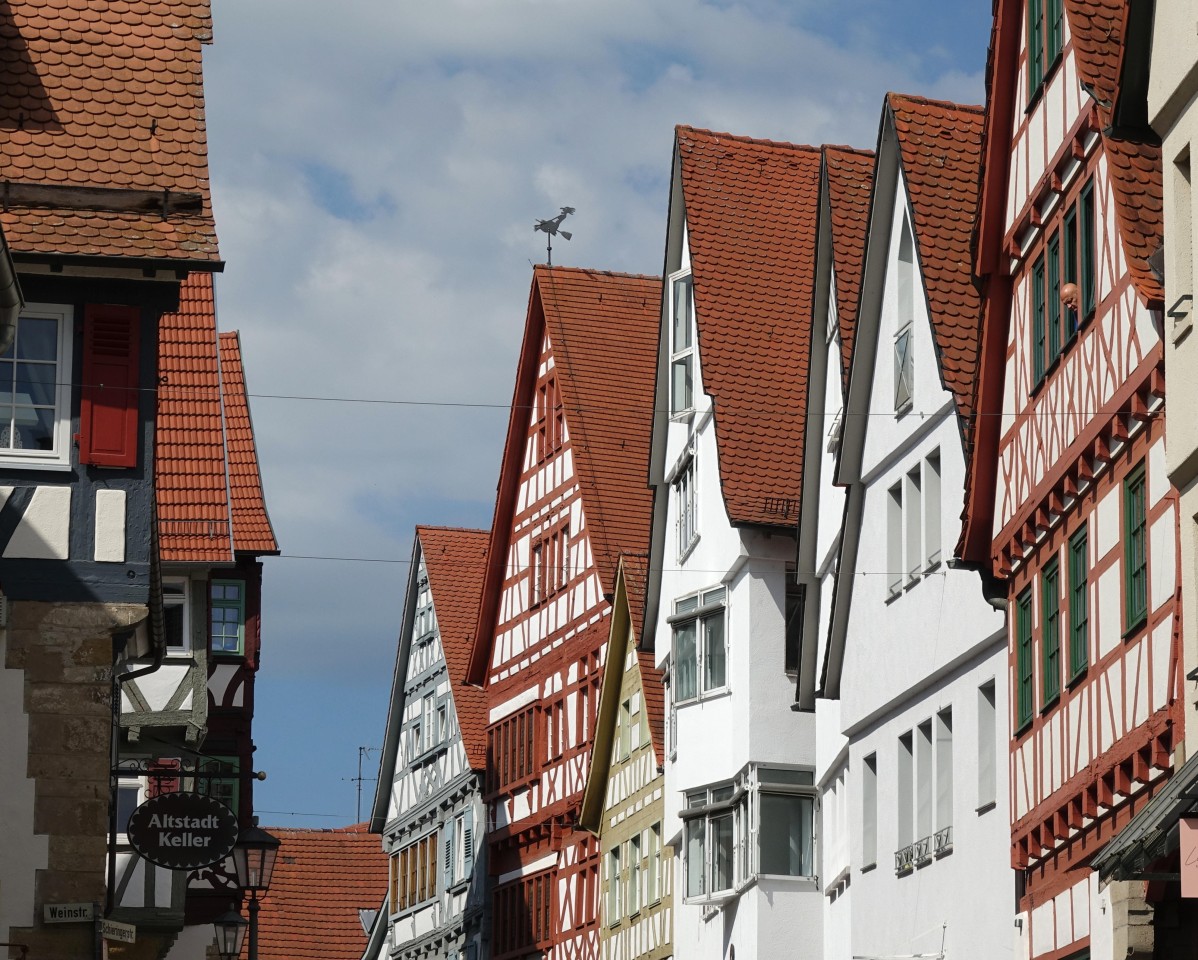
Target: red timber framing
x,y
573,495
1067,502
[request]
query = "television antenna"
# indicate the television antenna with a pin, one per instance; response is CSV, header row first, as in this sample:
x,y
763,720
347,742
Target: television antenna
x,y
550,229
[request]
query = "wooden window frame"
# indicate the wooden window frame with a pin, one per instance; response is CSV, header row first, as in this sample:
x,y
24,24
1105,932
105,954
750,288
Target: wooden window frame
x,y
513,757
1050,634
1135,549
1079,603
1025,691
1045,44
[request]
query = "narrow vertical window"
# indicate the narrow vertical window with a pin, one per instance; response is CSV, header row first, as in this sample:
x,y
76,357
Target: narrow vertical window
x,y
695,856
906,790
944,772
923,780
1069,257
1088,241
634,874
1056,29
1181,243
653,884
1054,297
1135,548
894,540
1050,633
904,357
1038,362
537,565
227,616
1079,603
869,811
987,746
613,886
1035,46
913,495
931,510
682,347
1023,659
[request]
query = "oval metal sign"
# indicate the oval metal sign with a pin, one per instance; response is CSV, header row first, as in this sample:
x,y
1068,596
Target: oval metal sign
x,y
183,831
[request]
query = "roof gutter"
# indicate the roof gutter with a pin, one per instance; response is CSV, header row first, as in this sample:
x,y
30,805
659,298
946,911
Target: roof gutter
x,y
11,299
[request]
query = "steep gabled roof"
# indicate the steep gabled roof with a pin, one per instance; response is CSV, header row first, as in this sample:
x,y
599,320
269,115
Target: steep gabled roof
x,y
940,148
207,488
190,485
603,328
635,568
456,562
1099,31
751,211
850,175
252,531
101,111
322,879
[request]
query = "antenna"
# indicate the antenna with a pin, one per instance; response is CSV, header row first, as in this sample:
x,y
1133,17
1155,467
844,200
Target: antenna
x,y
362,751
550,229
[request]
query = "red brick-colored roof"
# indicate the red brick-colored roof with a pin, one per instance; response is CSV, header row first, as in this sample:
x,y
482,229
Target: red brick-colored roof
x,y
456,561
190,485
940,149
205,463
850,175
636,587
252,531
751,212
322,879
104,95
1098,29
603,329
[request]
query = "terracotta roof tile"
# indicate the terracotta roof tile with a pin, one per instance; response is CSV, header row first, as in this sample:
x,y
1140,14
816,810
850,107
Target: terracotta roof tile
x,y
751,212
593,318
252,531
322,879
205,463
940,147
604,329
189,451
635,567
456,561
105,96
849,174
1098,31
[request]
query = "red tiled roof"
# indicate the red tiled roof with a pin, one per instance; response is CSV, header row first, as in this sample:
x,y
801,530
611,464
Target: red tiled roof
x,y
1098,30
636,586
751,211
603,328
104,95
850,176
189,451
456,561
252,532
322,879
940,148
205,463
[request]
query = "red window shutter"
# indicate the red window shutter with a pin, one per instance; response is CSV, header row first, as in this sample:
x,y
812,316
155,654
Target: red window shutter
x,y
108,411
156,784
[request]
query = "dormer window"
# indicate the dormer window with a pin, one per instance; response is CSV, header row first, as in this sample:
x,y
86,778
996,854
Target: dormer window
x,y
682,348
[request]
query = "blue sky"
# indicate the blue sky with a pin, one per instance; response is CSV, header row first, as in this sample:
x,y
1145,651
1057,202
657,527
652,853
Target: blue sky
x,y
377,168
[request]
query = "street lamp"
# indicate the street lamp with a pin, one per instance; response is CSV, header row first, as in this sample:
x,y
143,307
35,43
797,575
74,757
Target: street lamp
x,y
230,932
254,861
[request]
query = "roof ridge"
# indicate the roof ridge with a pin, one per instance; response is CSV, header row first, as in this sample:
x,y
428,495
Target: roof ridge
x,y
591,271
893,95
845,148
450,529
753,141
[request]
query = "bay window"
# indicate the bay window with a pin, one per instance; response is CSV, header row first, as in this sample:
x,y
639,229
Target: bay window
x,y
700,652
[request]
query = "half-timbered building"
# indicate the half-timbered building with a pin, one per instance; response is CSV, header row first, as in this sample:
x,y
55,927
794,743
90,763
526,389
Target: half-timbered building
x,y
731,395
914,653
846,178
1070,503
624,798
428,805
572,497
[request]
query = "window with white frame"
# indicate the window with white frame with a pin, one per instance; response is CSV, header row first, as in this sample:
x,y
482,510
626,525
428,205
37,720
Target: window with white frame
x,y
653,879
427,711
459,852
35,389
176,617
685,506
682,346
785,823
128,797
904,354
714,823
615,879
634,875
424,620
700,656
226,615
914,542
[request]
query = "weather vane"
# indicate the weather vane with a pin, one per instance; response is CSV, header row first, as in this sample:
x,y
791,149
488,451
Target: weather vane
x,y
550,229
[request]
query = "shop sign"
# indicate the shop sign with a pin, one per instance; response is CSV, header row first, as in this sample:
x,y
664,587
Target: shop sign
x,y
183,831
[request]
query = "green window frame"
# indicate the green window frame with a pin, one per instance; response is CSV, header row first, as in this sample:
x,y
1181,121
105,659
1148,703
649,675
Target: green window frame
x,y
1023,659
226,615
1035,46
1079,604
1054,297
1069,250
1135,548
1056,29
1050,633
226,789
1038,319
1088,239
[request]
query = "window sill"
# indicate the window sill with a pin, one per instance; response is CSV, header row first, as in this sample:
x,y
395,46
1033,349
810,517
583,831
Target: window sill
x,y
1140,623
905,409
986,807
717,694
1078,676
690,548
40,466
869,866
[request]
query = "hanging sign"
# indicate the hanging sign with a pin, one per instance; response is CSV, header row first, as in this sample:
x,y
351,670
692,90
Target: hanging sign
x,y
183,831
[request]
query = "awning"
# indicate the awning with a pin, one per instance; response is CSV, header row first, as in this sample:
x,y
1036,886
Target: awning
x,y
1152,832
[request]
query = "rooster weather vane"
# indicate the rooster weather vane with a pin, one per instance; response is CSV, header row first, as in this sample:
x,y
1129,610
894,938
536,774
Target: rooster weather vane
x,y
550,229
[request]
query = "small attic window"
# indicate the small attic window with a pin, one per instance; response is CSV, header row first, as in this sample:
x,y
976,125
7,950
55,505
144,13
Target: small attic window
x,y
682,345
